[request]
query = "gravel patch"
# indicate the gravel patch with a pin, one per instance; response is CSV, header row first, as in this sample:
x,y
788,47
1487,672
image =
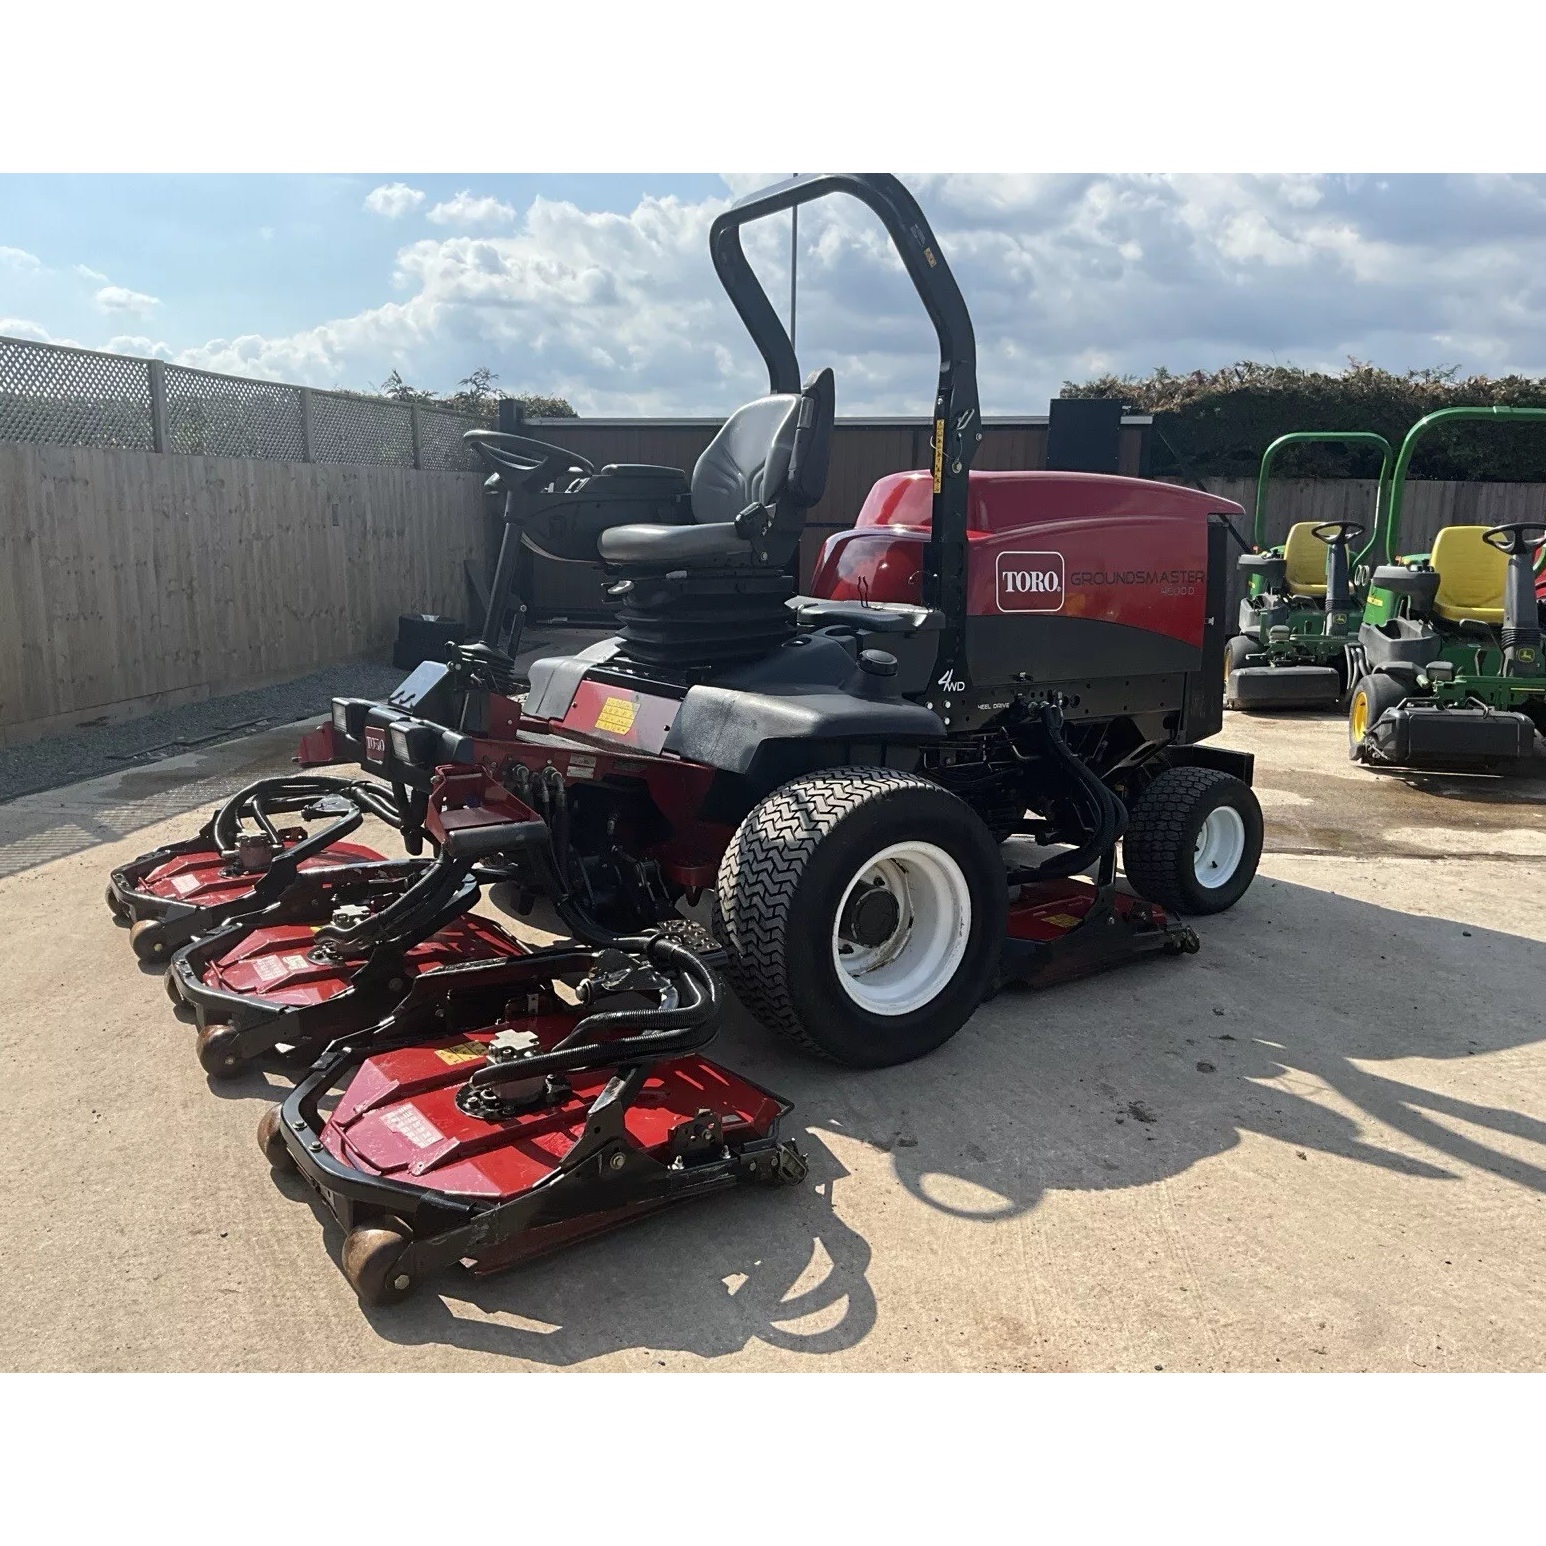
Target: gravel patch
x,y
81,754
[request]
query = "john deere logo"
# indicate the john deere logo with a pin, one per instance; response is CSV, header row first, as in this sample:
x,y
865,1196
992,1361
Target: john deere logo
x,y
1030,582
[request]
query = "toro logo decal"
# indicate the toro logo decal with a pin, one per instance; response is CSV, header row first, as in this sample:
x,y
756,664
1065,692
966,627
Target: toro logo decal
x,y
1030,582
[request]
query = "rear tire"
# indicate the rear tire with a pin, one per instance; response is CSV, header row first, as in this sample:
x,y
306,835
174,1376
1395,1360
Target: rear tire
x,y
1194,840
868,983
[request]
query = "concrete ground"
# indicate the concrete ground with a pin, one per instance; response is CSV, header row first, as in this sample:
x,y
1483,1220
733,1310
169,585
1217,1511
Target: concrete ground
x,y
1318,1144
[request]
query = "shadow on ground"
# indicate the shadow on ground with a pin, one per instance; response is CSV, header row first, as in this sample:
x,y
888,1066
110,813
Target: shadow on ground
x,y
1116,1082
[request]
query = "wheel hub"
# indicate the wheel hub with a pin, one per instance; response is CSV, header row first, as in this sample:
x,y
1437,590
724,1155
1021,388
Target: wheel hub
x,y
902,928
872,917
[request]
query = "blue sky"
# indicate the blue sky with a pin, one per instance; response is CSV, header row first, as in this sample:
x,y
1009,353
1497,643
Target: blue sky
x,y
599,287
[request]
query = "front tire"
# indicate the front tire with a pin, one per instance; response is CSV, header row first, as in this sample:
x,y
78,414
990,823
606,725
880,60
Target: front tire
x,y
1372,695
862,911
1237,651
1194,840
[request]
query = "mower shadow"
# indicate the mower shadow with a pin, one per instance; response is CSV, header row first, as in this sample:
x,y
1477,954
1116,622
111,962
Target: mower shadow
x,y
1475,789
1119,1081
1135,1077
779,1267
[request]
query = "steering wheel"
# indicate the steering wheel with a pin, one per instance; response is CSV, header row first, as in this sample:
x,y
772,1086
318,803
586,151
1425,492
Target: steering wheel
x,y
1516,537
1333,532
533,463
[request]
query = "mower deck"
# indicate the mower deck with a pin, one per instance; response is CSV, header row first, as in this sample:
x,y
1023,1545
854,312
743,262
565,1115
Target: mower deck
x,y
1285,687
1062,929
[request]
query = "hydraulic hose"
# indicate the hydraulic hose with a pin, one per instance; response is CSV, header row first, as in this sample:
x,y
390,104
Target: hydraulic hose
x,y
1110,813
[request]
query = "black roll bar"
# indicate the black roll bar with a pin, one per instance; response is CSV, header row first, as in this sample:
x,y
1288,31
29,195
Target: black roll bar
x,y
957,419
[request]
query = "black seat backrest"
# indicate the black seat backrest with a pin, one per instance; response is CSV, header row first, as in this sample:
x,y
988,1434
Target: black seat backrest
x,y
771,453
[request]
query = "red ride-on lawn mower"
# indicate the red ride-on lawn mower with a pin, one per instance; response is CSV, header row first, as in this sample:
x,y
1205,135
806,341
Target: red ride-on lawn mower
x,y
986,656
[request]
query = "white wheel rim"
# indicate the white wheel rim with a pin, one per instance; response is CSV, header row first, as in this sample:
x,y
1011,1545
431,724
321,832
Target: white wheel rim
x,y
1220,847
916,963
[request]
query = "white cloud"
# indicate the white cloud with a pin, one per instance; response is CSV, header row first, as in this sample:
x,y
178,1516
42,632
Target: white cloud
x,y
138,344
17,327
89,273
15,258
115,299
464,209
393,200
1066,276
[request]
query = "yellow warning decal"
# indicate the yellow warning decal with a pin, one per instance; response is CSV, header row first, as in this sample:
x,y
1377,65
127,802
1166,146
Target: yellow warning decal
x,y
462,1052
939,454
1062,920
617,716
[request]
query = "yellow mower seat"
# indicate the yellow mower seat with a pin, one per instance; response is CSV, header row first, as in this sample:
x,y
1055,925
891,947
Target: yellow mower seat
x,y
1471,575
1305,555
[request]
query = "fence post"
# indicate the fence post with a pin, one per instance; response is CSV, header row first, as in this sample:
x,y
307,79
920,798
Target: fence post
x,y
158,435
413,421
305,393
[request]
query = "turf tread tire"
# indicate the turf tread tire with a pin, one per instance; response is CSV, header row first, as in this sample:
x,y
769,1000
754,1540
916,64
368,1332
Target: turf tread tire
x,y
760,874
1157,847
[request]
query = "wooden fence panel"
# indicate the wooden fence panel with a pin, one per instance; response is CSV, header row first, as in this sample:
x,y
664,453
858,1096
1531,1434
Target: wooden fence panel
x,y
130,579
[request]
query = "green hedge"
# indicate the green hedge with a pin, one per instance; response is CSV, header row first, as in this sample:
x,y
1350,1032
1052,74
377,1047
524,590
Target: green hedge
x,y
1217,424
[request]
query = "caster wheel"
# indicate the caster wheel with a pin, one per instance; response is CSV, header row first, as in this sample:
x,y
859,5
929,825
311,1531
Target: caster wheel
x,y
371,1256
271,1140
114,906
218,1054
149,942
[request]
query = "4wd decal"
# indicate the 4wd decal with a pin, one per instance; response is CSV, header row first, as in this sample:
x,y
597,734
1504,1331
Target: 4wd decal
x,y
1030,582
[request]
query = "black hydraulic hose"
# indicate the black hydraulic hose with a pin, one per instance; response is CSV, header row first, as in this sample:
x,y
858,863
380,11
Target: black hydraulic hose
x,y
1110,813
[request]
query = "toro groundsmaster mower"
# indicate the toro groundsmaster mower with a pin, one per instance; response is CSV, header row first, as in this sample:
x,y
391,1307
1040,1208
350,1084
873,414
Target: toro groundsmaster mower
x,y
1304,600
985,656
1448,660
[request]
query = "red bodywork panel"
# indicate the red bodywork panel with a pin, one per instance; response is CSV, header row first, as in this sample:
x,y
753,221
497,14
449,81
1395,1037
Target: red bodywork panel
x,y
317,748
1118,550
676,789
274,963
209,879
399,1116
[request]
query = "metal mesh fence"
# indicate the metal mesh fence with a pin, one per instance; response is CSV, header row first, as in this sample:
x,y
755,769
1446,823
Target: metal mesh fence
x,y
358,429
74,397
208,415
61,396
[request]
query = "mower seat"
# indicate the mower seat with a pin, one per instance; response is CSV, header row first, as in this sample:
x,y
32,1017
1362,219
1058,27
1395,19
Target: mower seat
x,y
1304,555
750,489
1471,576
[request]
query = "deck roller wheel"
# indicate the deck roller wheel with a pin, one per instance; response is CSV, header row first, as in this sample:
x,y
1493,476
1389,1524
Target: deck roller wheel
x,y
172,990
114,906
372,1256
218,1049
271,1140
149,942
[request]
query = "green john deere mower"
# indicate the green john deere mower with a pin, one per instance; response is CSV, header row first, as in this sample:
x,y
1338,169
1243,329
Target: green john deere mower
x,y
1304,602
1447,663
